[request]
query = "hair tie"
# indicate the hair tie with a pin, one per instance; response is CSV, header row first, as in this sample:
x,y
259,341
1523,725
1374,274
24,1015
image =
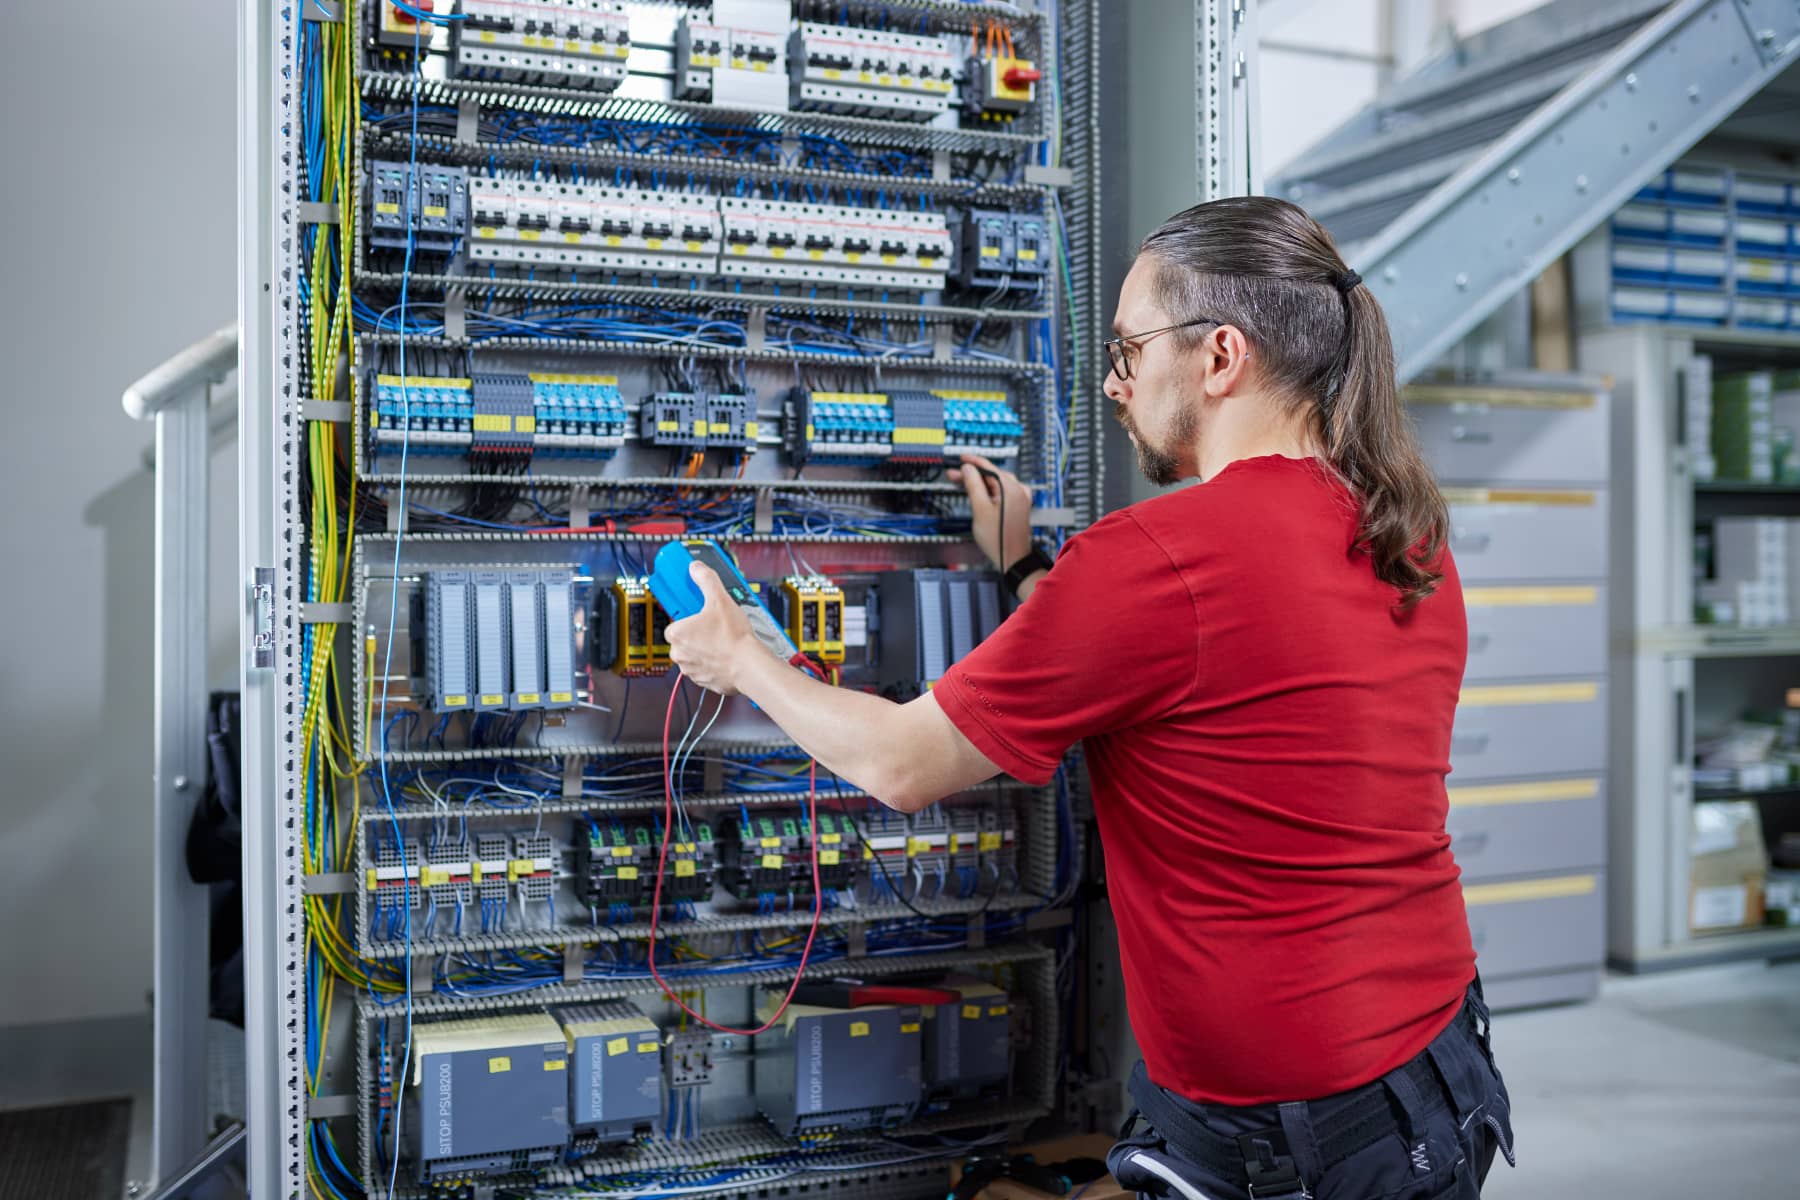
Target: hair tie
x,y
1346,282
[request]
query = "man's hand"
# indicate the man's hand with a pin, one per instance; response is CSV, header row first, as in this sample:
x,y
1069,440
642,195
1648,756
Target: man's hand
x,y
984,504
710,646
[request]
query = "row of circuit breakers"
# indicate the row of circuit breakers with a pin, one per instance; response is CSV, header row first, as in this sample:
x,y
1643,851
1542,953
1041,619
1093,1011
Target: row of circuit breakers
x,y
537,223
504,640
524,1091
764,858
495,417
748,53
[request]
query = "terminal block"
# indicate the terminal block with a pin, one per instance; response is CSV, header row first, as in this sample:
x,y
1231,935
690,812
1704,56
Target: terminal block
x,y
489,874
615,1073
870,72
532,871
560,43
999,845
489,1095
965,849
928,845
394,879
449,866
536,223
687,1059
812,608
692,865
641,625
968,1051
833,245
840,858
430,415
615,863
764,858
901,427
426,202
930,619
826,1069
577,416
884,848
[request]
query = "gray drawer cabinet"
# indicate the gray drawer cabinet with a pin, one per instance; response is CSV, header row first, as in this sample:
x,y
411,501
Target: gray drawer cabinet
x,y
1505,731
1503,435
1524,632
1542,925
1499,535
1506,829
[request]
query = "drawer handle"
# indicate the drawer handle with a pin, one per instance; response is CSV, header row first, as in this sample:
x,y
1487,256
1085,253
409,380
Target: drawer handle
x,y
1470,843
1478,642
1469,539
1462,433
1472,743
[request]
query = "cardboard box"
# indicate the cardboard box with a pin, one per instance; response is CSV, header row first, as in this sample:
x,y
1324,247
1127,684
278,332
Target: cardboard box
x,y
1727,867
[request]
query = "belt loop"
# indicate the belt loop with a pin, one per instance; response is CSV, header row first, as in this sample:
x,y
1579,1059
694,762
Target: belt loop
x,y
1296,1123
1412,1105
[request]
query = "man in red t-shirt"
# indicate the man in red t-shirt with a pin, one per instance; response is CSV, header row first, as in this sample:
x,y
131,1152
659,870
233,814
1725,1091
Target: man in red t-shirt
x,y
1262,670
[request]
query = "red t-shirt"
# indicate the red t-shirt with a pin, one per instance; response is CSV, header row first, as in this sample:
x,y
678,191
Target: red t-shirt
x,y
1268,739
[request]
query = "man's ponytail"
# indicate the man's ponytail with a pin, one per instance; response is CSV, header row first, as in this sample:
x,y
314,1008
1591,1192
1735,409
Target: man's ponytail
x,y
1267,268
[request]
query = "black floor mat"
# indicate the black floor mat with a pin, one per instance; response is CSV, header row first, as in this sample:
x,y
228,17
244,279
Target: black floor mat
x,y
65,1151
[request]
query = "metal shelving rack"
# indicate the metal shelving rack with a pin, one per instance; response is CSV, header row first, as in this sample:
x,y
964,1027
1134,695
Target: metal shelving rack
x,y
1659,652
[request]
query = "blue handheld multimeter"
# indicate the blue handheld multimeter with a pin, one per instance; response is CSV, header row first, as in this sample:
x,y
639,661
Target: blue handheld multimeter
x,y
680,596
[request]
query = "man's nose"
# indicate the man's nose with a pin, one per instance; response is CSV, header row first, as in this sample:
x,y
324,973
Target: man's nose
x,y
1114,388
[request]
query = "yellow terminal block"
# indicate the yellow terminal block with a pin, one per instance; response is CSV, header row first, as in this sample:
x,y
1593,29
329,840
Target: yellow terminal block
x,y
643,640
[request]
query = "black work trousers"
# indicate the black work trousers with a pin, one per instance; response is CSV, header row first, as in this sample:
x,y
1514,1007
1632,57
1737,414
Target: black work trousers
x,y
1427,1130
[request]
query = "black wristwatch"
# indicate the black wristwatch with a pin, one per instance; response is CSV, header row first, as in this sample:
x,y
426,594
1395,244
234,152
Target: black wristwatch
x,y
1016,574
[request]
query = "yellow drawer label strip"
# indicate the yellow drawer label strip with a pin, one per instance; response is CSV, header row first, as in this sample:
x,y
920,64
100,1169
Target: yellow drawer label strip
x,y
1499,397
1519,496
1524,793
1506,695
1528,597
1559,888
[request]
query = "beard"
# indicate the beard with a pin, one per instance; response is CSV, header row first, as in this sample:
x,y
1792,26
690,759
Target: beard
x,y
1158,464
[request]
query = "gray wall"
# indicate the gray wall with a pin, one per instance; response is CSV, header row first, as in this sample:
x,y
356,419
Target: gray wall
x,y
106,116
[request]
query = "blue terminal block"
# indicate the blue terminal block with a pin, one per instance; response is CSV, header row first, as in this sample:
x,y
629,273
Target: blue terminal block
x,y
681,597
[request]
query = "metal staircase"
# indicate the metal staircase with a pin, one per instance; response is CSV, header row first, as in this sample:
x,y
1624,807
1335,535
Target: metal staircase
x,y
1463,181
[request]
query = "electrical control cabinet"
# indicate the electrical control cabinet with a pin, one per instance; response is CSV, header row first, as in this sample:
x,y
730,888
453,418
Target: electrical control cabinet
x,y
839,1070
574,266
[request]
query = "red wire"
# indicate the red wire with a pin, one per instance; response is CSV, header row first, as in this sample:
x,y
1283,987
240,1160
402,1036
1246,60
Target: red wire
x,y
812,811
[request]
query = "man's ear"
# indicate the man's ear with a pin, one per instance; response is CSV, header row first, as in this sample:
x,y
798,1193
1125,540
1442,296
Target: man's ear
x,y
1226,354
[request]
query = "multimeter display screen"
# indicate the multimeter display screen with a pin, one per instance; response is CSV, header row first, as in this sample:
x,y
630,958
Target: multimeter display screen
x,y
728,574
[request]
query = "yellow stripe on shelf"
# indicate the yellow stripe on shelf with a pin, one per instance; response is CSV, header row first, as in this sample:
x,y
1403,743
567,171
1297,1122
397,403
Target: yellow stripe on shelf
x,y
1498,397
1524,793
1519,496
1558,888
1529,693
1520,597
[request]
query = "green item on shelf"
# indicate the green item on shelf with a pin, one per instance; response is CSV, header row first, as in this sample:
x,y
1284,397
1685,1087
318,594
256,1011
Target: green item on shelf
x,y
1781,455
1742,431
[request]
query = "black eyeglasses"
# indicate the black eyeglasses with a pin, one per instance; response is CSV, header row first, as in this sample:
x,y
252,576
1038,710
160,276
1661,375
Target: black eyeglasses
x,y
1124,350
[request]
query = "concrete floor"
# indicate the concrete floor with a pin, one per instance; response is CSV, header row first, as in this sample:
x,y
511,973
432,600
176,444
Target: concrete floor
x,y
1675,1086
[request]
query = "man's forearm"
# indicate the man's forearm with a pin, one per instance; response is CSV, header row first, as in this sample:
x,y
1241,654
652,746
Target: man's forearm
x,y
851,733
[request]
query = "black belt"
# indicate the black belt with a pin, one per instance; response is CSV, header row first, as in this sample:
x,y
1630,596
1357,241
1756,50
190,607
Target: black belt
x,y
1342,1124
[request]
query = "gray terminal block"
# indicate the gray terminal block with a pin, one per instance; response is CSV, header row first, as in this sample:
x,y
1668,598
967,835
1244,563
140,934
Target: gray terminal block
x,y
615,1071
968,1050
525,628
488,610
490,1095
449,657
826,1069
